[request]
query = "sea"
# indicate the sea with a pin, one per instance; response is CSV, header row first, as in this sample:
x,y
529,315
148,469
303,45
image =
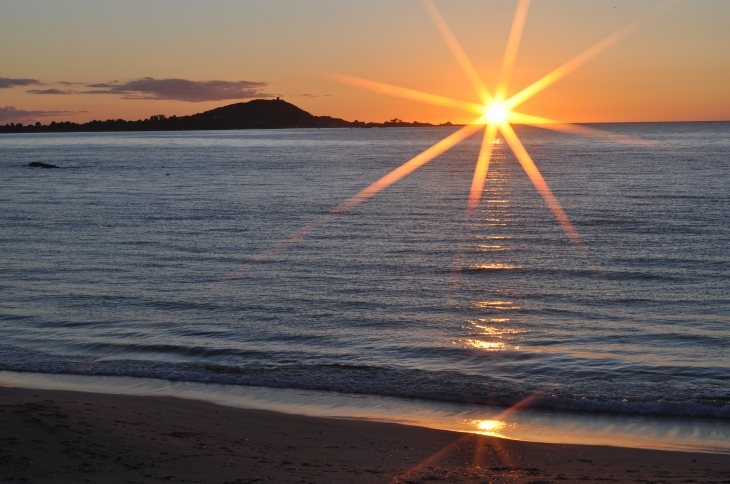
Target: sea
x,y
144,265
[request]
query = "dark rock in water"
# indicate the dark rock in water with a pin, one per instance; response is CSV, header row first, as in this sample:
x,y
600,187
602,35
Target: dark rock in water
x,y
38,164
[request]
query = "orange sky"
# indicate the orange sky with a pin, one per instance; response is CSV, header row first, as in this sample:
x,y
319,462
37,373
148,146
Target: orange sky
x,y
677,67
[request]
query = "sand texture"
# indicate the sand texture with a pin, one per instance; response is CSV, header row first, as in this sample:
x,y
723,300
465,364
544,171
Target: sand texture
x,y
57,437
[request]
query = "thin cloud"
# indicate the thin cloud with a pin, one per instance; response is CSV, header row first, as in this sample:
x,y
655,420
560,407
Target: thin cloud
x,y
309,95
180,89
6,82
49,91
12,114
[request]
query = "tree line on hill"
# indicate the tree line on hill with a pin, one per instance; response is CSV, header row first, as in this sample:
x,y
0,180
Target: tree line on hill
x,y
256,114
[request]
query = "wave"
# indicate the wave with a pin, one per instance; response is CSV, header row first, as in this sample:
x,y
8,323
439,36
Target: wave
x,y
369,380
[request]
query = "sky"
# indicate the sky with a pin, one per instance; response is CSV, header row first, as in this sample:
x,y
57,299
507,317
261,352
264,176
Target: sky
x,y
82,60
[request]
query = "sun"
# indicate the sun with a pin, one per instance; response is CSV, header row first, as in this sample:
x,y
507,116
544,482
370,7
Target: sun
x,y
495,113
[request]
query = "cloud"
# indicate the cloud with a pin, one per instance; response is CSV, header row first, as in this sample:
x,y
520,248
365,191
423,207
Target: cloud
x,y
183,89
6,82
10,113
309,95
49,91
170,89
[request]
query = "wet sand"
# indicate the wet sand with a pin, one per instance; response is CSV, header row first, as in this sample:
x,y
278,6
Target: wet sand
x,y
58,436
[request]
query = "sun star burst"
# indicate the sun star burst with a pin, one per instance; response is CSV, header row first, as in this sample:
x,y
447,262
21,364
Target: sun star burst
x,y
496,114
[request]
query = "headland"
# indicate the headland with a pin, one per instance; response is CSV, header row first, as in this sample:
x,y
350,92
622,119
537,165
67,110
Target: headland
x,y
255,114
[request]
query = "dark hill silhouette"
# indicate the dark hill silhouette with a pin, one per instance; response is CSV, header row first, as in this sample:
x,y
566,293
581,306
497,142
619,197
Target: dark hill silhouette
x,y
256,114
260,112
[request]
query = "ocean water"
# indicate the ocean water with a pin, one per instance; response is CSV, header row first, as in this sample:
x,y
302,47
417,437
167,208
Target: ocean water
x,y
131,261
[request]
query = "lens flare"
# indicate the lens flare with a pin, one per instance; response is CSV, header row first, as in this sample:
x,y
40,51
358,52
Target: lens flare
x,y
458,52
581,59
413,95
577,129
510,54
480,173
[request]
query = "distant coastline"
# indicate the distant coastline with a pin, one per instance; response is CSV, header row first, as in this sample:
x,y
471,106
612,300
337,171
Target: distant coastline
x,y
255,114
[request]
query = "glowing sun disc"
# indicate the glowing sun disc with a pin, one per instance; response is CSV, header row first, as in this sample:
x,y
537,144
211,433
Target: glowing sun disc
x,y
497,113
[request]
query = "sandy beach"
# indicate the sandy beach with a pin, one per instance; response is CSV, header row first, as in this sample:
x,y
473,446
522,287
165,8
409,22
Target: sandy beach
x,y
60,436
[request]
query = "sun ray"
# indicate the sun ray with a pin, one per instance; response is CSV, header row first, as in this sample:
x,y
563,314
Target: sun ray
x,y
577,129
539,182
466,437
480,173
408,167
581,59
458,52
510,54
371,190
406,93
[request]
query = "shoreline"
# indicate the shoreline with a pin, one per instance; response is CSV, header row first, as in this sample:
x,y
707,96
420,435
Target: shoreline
x,y
45,129
527,424
121,438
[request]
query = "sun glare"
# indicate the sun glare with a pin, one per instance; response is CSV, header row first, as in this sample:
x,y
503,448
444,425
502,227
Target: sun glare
x,y
488,425
496,113
496,116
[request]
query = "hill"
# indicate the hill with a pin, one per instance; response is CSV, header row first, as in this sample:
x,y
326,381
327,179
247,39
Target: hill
x,y
256,114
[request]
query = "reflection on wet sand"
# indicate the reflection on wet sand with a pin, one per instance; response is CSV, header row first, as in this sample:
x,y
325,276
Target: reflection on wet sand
x,y
489,427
